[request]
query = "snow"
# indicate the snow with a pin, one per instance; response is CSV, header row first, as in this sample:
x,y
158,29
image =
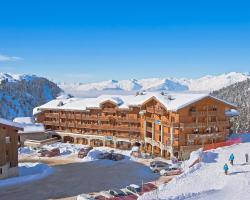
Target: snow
x,y
232,113
16,77
207,84
28,172
177,101
195,156
206,180
67,150
29,126
10,123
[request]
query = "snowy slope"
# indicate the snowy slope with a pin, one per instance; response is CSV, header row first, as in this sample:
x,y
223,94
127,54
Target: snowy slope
x,y
207,180
206,83
19,94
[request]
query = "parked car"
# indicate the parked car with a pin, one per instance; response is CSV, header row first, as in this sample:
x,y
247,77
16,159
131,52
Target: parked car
x,y
105,155
157,166
111,156
134,189
49,153
117,156
84,152
170,171
54,152
117,193
43,152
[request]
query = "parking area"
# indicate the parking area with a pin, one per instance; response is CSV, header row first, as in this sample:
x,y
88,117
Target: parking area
x,y
72,179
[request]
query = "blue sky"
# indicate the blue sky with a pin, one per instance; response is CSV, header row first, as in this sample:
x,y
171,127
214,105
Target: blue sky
x,y
86,41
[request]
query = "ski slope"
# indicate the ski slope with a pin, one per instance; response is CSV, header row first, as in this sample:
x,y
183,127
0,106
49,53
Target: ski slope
x,y
206,180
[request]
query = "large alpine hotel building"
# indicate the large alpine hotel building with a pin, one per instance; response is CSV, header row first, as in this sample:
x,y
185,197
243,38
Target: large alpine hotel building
x,y
163,124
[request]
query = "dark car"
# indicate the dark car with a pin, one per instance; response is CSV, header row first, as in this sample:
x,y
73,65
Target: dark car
x,y
117,193
117,157
49,153
84,152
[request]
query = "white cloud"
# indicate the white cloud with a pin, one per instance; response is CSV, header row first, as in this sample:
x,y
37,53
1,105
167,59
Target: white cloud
x,y
9,58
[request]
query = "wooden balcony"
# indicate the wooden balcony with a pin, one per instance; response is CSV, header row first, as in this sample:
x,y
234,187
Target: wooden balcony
x,y
52,115
78,116
128,119
109,110
150,110
159,111
63,116
71,116
51,123
71,124
189,148
108,127
90,117
214,135
204,113
63,124
205,124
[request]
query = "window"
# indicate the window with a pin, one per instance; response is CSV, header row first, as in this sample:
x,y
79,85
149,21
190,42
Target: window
x,y
1,171
192,109
7,140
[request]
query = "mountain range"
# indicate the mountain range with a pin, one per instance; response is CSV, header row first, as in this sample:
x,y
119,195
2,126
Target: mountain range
x,y
19,94
204,84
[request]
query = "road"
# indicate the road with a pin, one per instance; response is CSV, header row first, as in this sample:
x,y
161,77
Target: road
x,y
71,179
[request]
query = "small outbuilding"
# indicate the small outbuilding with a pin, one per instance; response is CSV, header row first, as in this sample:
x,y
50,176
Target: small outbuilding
x,y
9,148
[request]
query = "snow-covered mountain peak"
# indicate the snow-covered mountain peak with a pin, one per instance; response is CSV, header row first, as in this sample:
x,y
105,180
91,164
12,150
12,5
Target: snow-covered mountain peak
x,y
9,77
206,83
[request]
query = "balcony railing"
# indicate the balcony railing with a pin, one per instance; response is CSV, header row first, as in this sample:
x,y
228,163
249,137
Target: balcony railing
x,y
204,124
110,110
108,127
51,123
52,115
150,110
204,113
213,135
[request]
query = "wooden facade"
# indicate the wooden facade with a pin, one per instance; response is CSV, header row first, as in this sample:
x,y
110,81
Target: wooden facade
x,y
160,131
8,150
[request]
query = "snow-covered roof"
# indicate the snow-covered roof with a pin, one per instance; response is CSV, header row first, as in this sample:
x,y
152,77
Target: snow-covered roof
x,y
28,125
173,101
10,123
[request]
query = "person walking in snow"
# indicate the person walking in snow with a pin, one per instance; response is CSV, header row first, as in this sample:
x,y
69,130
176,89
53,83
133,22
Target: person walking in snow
x,y
231,159
226,168
246,156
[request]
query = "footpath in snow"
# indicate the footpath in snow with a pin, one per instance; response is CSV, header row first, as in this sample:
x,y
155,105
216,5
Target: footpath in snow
x,y
206,180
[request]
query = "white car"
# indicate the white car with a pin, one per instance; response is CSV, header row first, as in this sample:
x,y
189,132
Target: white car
x,y
157,166
134,189
171,171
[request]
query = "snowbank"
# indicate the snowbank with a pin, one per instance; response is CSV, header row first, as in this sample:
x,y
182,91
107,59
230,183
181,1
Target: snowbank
x,y
66,149
207,179
28,172
195,157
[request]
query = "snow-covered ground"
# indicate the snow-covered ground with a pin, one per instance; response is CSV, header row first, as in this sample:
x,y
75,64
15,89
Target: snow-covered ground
x,y
69,150
206,180
28,172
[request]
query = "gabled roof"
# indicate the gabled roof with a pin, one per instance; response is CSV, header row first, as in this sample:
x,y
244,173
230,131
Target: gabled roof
x,y
171,101
10,123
